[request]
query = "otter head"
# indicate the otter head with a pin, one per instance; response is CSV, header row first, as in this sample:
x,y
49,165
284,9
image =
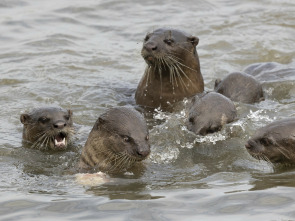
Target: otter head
x,y
209,112
274,143
173,71
265,148
118,139
166,47
240,87
47,128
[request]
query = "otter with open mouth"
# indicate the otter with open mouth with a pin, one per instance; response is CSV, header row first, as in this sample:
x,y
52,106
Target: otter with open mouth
x,y
173,69
117,142
47,128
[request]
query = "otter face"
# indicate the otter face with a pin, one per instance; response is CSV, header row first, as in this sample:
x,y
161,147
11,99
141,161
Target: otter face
x,y
167,46
118,139
265,148
202,128
128,146
275,142
47,128
128,133
208,113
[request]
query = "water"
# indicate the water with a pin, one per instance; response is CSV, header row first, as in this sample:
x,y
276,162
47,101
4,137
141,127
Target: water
x,y
85,55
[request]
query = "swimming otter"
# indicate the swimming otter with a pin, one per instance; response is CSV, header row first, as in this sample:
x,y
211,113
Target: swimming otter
x,y
47,128
275,142
240,87
209,112
173,69
118,140
271,72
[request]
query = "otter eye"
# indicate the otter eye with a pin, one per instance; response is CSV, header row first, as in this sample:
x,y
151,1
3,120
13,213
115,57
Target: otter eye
x,y
67,117
147,38
191,120
127,139
43,120
168,41
264,142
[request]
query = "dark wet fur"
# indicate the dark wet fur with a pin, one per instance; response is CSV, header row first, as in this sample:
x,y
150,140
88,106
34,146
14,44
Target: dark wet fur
x,y
40,135
240,87
173,69
274,143
117,141
209,112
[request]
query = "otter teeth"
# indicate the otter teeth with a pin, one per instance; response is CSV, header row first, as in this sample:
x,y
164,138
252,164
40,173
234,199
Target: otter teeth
x,y
60,143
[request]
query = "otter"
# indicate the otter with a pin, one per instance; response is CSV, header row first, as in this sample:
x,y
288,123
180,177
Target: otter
x,y
271,72
274,143
240,87
118,140
209,112
47,128
173,69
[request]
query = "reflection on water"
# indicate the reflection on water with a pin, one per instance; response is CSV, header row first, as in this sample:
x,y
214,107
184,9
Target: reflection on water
x,y
86,56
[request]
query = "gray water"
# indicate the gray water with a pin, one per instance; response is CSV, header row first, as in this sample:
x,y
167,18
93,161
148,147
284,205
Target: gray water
x,y
85,55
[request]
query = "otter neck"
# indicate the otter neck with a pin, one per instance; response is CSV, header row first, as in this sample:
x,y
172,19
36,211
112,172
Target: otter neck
x,y
173,76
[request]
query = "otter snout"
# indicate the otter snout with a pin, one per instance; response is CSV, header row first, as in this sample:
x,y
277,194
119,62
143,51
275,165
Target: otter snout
x,y
59,124
253,147
143,150
150,46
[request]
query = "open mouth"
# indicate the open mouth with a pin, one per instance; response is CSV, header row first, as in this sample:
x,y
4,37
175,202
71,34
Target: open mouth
x,y
60,140
149,59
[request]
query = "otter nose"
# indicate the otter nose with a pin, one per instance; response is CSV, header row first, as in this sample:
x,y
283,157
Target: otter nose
x,y
59,124
150,46
143,151
249,144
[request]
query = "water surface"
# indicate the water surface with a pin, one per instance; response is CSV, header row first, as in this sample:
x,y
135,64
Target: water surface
x,y
85,55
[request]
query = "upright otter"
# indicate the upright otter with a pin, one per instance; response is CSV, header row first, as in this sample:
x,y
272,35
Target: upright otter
x,y
209,112
240,87
173,68
275,142
118,140
47,128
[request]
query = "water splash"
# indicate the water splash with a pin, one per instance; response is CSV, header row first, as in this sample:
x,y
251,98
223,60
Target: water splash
x,y
211,138
259,115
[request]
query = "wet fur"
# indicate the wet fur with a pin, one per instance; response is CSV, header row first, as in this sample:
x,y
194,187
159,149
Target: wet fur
x,y
116,142
274,143
240,87
173,69
39,135
209,112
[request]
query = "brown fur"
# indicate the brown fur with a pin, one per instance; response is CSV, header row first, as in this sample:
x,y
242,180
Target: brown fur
x,y
209,112
118,140
47,128
240,87
275,142
173,70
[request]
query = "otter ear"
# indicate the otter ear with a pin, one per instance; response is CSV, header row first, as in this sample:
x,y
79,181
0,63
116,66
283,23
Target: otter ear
x,y
217,82
101,120
70,112
194,40
24,118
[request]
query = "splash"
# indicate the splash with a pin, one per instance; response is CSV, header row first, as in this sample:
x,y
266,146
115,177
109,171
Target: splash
x,y
211,138
257,116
